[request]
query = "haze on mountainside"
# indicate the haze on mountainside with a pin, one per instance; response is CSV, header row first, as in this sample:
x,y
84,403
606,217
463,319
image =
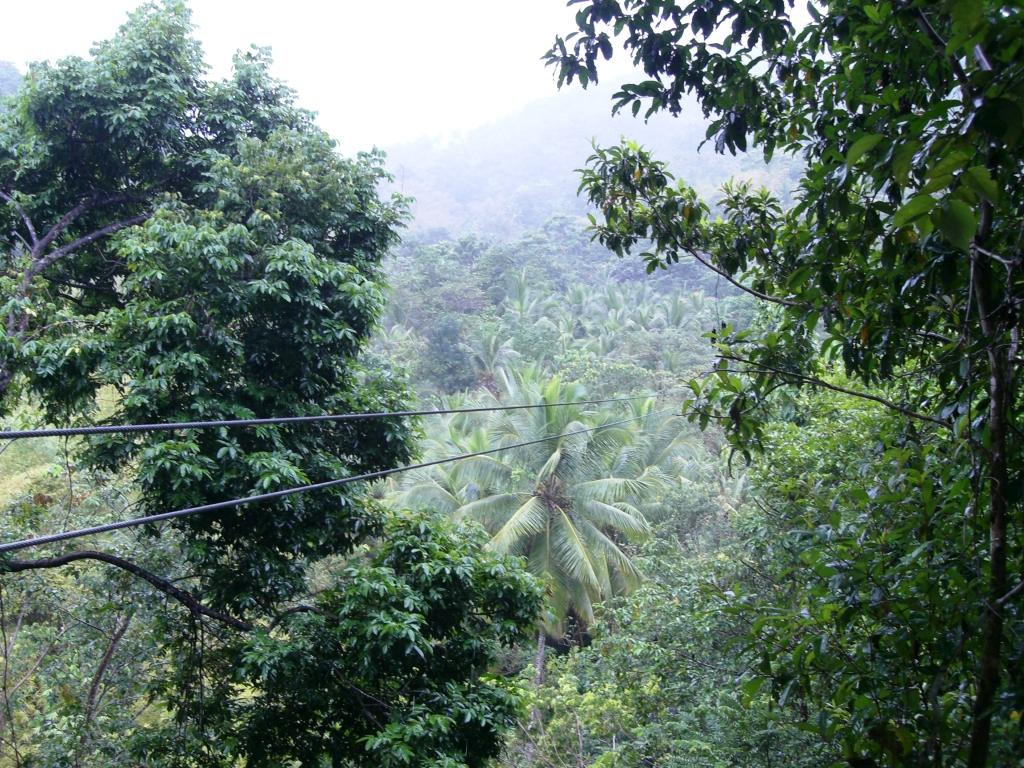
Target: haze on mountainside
x,y
492,153
376,73
517,172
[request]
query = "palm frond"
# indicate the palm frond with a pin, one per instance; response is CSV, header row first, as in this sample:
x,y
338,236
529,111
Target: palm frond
x,y
491,511
619,559
613,489
621,517
427,494
573,554
529,519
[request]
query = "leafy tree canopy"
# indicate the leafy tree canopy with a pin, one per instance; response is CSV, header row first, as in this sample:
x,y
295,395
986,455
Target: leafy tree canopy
x,y
899,264
195,249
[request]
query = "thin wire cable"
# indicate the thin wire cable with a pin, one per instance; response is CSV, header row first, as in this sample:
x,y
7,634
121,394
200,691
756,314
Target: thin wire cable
x,y
106,429
14,546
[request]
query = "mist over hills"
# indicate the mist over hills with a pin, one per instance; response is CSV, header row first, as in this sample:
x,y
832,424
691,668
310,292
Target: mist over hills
x,y
10,78
514,174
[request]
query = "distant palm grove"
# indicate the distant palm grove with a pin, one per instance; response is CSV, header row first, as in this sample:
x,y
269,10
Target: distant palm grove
x,y
717,457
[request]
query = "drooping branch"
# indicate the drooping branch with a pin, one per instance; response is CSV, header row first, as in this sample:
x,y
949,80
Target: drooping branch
x,y
721,272
745,288
184,597
814,381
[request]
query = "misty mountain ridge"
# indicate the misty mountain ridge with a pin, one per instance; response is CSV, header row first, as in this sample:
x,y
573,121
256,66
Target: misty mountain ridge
x,y
517,172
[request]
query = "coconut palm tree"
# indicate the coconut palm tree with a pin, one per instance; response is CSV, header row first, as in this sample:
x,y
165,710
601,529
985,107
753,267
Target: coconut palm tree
x,y
488,351
568,504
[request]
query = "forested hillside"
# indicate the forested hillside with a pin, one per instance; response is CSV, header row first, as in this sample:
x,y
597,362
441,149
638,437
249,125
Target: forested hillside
x,y
602,452
512,176
9,79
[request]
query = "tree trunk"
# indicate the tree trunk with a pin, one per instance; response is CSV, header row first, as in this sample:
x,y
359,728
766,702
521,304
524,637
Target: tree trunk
x,y
538,661
1000,403
538,680
5,377
992,626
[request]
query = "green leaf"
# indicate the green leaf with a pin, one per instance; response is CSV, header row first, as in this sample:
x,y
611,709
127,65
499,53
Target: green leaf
x,y
980,180
966,15
948,164
862,146
956,220
903,160
913,209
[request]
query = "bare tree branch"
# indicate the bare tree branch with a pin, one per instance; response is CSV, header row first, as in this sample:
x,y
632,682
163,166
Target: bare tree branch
x,y
187,599
54,256
86,205
1011,594
746,289
92,698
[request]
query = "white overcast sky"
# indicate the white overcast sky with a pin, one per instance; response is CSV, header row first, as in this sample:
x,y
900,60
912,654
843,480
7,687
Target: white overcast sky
x,y
377,72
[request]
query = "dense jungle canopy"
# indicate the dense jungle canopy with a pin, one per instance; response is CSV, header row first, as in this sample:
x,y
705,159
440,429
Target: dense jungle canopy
x,y
727,350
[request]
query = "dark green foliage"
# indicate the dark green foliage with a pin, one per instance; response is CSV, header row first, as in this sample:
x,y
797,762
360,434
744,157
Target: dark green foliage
x,y
175,249
868,611
899,265
248,292
387,666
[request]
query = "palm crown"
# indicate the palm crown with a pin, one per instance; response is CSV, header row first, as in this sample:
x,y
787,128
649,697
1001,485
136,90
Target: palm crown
x,y
568,504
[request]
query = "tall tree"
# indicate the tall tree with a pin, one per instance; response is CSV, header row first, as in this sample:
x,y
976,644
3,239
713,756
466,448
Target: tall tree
x,y
900,263
200,250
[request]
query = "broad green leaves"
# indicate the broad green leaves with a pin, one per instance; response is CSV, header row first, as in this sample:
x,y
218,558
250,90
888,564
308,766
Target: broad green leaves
x,y
214,257
895,278
861,147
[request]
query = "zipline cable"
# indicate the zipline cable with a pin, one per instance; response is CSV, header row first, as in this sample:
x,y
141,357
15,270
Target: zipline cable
x,y
106,429
13,546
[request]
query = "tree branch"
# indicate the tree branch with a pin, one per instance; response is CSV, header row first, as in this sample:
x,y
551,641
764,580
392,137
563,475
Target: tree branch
x,y
79,210
742,287
814,381
940,46
92,699
54,256
24,216
1010,595
290,611
185,598
721,272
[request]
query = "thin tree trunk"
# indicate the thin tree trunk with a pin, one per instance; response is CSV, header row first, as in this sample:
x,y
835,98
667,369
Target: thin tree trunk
x,y
92,700
992,626
1000,400
536,723
538,661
